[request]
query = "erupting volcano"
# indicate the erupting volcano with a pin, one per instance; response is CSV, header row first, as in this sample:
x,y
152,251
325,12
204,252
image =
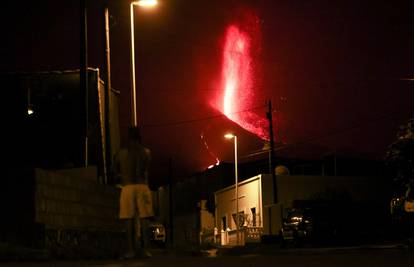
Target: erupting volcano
x,y
236,96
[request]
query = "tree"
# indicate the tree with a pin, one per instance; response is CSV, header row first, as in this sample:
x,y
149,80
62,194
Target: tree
x,y
400,157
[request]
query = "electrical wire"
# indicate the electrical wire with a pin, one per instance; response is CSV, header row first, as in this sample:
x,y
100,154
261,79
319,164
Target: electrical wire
x,y
198,119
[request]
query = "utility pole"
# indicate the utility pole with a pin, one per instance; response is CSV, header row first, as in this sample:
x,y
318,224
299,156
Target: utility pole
x,y
83,73
272,150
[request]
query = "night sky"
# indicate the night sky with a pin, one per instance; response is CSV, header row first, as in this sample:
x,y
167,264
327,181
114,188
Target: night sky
x,y
334,71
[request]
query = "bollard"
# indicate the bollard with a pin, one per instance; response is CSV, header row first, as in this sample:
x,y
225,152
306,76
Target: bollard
x,y
223,239
227,235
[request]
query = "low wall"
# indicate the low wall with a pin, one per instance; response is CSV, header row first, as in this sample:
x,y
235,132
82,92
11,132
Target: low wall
x,y
79,216
69,200
65,211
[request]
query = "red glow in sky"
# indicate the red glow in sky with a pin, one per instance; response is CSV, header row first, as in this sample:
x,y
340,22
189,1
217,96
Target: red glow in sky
x,y
237,89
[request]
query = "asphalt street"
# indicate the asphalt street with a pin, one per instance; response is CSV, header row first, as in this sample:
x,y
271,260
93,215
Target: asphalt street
x,y
378,256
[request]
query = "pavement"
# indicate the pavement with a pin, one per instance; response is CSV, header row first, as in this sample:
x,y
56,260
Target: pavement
x,y
283,257
10,253
275,248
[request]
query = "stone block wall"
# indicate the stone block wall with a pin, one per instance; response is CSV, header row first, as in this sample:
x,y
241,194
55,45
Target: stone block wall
x,y
79,216
69,200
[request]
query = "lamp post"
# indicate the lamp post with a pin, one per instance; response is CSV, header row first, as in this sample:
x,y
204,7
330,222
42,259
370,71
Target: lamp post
x,y
145,4
236,178
83,73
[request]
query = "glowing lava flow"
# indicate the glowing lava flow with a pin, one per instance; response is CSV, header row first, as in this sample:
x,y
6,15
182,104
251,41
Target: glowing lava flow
x,y
209,151
237,83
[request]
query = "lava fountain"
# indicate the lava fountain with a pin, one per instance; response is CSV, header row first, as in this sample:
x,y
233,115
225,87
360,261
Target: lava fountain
x,y
236,93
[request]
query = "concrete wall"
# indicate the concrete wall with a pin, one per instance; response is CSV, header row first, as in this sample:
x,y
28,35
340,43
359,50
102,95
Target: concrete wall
x,y
357,189
206,218
267,189
258,192
250,196
71,199
273,219
78,215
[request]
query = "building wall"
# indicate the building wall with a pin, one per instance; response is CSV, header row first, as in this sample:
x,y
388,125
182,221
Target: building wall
x,y
357,189
364,190
206,217
267,189
249,197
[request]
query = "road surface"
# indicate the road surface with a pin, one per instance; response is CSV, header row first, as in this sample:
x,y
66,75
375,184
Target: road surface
x,y
399,256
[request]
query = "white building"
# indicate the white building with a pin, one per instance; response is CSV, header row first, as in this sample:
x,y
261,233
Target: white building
x,y
255,200
254,196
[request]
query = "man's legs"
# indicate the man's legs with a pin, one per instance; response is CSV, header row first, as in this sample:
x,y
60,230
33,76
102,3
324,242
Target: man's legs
x,y
127,212
145,210
130,238
145,238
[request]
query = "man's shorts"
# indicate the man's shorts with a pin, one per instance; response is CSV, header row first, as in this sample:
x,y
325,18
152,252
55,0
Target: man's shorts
x,y
135,200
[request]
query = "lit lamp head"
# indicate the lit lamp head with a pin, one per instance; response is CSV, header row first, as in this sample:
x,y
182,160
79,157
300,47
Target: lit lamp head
x,y
145,3
30,110
229,136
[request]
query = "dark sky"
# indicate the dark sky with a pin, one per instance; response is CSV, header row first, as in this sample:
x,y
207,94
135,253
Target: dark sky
x,y
332,69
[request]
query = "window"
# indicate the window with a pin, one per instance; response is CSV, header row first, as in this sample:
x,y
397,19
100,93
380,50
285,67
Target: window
x,y
253,216
224,222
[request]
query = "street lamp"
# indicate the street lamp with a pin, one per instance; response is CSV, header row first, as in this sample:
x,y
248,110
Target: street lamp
x,y
145,4
232,136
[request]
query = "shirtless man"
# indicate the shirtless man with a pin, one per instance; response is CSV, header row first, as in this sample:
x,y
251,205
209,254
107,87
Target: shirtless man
x,y
136,199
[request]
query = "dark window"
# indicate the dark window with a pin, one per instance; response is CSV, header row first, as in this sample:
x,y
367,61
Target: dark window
x,y
253,216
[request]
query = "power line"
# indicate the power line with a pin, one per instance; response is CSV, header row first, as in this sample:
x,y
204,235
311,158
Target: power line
x,y
198,119
347,129
335,132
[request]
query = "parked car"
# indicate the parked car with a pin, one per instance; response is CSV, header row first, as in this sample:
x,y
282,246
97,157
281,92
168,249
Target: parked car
x,y
308,225
296,228
157,234
402,214
409,200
